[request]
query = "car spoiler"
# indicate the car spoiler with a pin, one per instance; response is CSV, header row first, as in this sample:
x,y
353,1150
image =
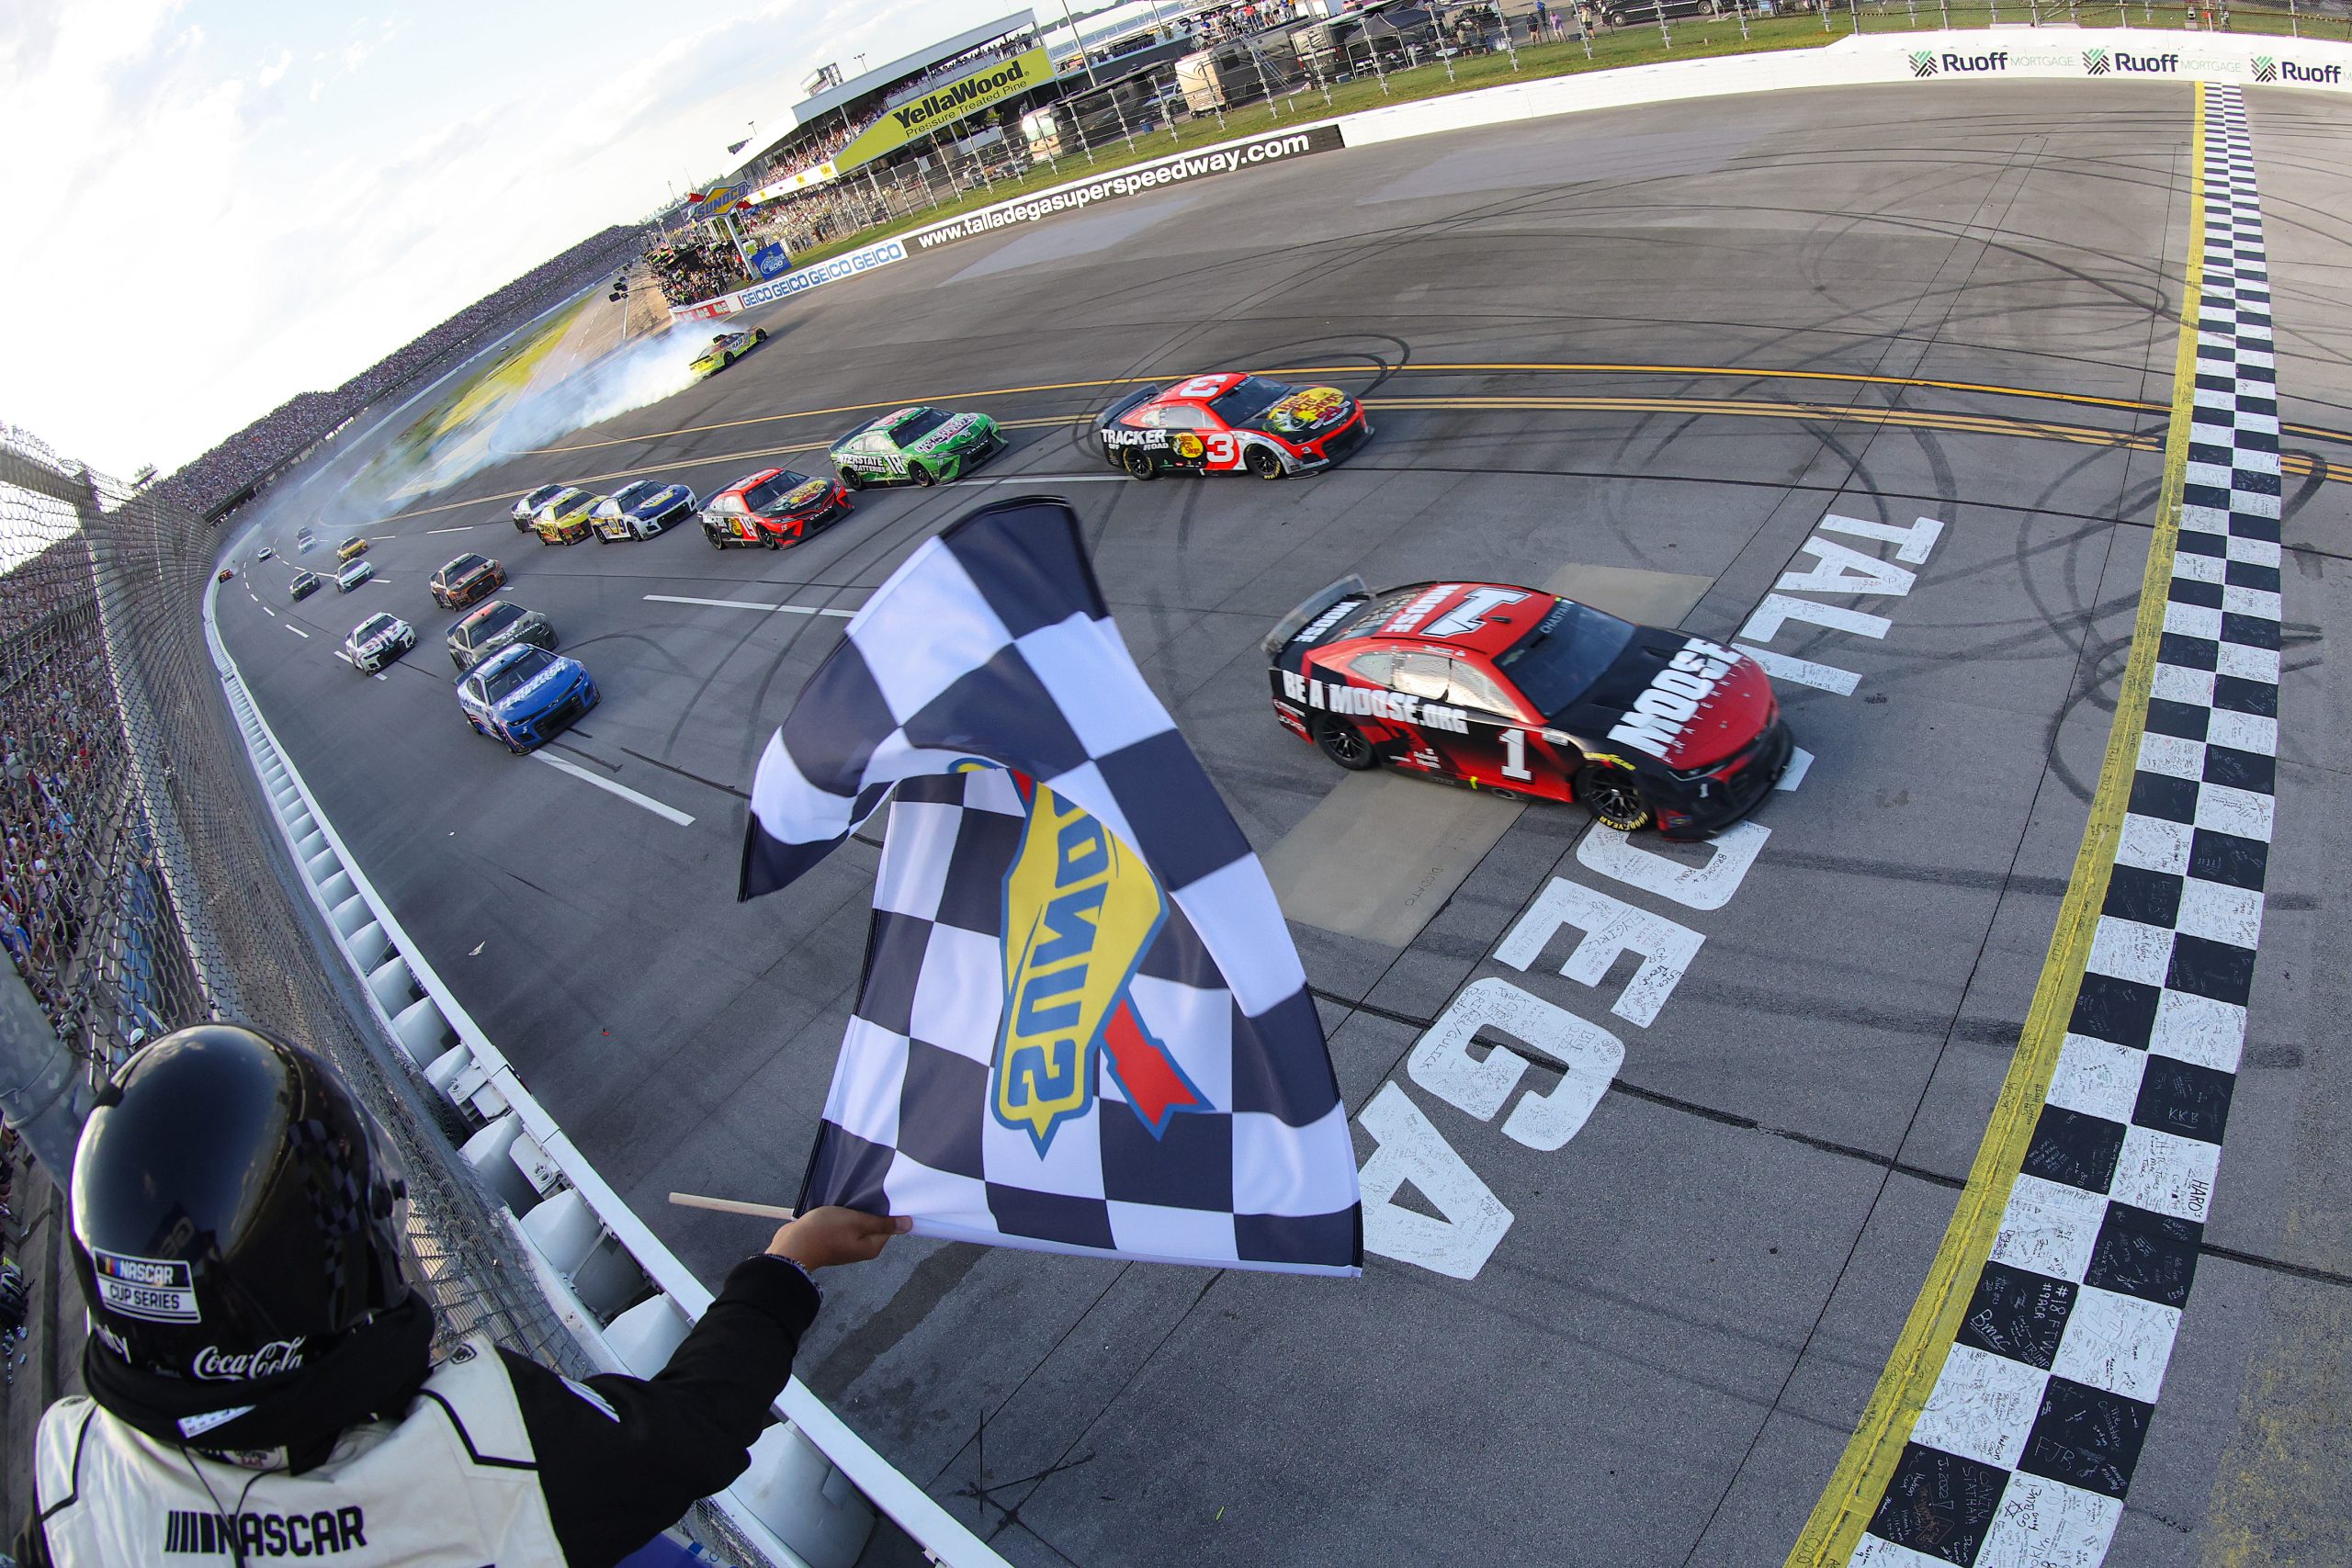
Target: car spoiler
x,y
1287,630
1139,395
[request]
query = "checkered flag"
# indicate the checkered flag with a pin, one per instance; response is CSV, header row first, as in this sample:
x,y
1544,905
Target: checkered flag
x,y
1082,1026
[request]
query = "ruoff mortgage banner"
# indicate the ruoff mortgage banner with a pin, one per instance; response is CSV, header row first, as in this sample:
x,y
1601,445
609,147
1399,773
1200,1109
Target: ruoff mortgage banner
x,y
999,81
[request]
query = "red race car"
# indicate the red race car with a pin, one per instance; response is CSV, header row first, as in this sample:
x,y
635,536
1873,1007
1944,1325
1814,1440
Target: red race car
x,y
775,507
1222,424
1527,694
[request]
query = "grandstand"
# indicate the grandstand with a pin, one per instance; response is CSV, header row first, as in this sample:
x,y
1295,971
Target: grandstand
x,y
911,109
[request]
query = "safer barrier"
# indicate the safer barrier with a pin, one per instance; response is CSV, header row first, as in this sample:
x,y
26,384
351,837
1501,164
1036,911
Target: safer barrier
x,y
808,1499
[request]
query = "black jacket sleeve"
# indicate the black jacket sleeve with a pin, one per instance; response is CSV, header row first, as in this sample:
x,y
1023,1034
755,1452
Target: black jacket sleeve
x,y
614,1480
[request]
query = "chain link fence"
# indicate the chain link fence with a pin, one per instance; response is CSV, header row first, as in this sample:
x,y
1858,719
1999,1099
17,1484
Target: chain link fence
x,y
142,889
1244,84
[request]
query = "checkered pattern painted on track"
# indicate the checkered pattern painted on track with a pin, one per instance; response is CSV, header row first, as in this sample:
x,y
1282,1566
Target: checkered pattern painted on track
x,y
2028,1443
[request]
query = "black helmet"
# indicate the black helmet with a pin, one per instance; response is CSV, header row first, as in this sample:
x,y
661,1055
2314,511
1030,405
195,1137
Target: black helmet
x,y
232,1208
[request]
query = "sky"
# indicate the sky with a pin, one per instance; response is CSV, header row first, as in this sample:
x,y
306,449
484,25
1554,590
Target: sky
x,y
215,206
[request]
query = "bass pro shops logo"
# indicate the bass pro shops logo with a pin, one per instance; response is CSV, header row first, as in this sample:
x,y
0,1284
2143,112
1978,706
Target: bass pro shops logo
x,y
1080,908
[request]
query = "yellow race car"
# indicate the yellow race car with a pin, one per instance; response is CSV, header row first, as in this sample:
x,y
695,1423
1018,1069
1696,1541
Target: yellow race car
x,y
726,348
566,520
352,548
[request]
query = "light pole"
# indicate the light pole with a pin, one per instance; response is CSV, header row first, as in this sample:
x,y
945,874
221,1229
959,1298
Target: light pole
x,y
1085,59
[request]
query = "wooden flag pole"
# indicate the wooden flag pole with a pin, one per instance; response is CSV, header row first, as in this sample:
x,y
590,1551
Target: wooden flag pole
x,y
734,1206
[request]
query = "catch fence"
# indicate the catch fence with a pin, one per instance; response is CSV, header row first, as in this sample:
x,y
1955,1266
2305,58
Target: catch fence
x,y
1309,70
142,890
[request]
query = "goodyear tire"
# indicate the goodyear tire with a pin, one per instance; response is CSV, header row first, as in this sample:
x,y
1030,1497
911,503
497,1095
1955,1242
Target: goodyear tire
x,y
850,479
1139,464
1345,745
712,535
760,334
922,477
1261,462
1613,797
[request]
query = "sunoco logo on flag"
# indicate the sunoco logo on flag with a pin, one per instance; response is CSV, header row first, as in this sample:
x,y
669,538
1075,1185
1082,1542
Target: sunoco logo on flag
x,y
1923,62
1080,908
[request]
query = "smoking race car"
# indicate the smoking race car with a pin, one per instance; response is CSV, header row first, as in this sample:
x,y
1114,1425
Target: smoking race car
x,y
641,509
915,446
377,641
1526,694
775,507
726,348
1222,424
521,695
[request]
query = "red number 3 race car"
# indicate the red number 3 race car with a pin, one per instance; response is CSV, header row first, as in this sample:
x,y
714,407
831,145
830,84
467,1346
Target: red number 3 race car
x,y
1224,424
1526,694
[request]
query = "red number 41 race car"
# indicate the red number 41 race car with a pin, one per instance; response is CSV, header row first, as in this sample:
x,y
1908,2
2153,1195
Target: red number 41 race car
x,y
1224,424
1527,694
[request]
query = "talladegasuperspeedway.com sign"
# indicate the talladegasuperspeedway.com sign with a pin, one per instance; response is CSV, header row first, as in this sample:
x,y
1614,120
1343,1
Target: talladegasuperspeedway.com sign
x,y
1176,169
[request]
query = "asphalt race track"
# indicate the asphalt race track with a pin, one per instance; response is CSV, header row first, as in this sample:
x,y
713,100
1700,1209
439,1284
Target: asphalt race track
x,y
1638,356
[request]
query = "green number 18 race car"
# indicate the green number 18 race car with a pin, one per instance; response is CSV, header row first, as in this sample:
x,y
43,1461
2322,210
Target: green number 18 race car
x,y
915,446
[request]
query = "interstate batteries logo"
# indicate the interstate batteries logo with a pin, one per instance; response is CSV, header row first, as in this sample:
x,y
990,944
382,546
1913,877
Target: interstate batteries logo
x,y
1080,908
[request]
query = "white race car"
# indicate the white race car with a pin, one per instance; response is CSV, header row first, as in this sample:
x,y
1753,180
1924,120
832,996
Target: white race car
x,y
527,507
377,641
354,574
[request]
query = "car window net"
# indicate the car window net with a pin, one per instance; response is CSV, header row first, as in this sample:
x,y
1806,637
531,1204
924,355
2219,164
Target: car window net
x,y
1557,661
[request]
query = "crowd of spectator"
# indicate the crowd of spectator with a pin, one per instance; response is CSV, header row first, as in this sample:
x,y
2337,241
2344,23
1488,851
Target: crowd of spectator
x,y
59,748
252,455
695,268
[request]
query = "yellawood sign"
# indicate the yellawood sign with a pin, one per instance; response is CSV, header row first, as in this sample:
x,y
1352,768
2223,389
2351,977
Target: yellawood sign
x,y
997,82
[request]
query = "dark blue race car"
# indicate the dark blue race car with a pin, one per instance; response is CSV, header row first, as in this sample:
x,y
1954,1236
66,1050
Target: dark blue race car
x,y
523,694
642,510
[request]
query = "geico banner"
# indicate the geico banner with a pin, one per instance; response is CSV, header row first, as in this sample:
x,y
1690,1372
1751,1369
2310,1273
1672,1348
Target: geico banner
x,y
943,105
796,282
1227,159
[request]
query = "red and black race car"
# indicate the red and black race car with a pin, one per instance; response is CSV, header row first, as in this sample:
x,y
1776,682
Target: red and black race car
x,y
1527,694
775,507
1231,423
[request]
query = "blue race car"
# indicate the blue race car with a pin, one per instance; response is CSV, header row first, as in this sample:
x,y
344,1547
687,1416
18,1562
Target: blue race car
x,y
523,694
642,510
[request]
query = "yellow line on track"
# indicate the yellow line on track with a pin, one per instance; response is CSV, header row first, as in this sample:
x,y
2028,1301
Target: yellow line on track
x,y
1444,368
1962,424
1862,1475
1449,367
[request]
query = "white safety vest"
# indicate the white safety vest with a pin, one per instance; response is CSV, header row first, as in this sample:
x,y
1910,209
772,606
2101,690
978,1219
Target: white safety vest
x,y
453,1484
